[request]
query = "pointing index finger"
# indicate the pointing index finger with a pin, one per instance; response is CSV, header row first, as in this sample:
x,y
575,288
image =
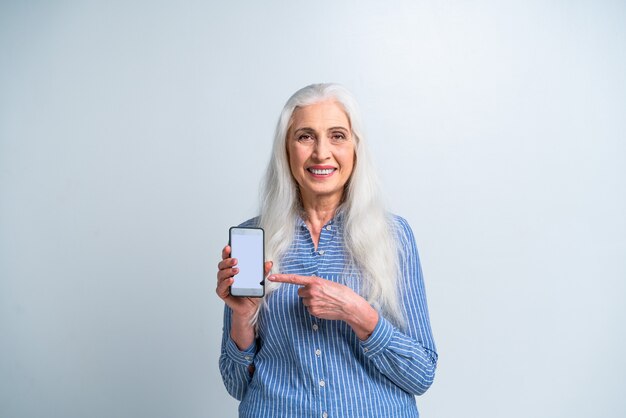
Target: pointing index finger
x,y
292,279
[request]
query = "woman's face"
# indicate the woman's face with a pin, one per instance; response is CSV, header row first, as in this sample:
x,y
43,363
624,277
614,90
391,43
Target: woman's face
x,y
320,148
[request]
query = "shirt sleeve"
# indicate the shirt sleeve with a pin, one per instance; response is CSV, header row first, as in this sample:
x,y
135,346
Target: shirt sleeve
x,y
236,366
407,357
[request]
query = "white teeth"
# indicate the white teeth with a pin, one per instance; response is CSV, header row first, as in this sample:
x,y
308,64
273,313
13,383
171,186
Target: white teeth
x,y
323,172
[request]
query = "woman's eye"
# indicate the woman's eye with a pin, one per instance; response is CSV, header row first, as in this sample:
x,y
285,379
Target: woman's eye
x,y
338,136
305,137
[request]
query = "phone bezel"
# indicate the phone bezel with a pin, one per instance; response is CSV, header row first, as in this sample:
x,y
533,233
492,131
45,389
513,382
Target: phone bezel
x,y
243,291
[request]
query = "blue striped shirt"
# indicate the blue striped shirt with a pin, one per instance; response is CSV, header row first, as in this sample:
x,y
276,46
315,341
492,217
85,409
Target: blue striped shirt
x,y
304,366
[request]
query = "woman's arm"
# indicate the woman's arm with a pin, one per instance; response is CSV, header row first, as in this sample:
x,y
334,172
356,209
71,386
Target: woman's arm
x,y
407,357
238,335
401,358
236,365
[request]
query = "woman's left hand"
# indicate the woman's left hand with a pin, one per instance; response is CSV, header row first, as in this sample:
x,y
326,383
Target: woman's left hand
x,y
325,299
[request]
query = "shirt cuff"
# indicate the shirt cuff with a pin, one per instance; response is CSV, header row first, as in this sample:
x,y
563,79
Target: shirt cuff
x,y
243,357
380,338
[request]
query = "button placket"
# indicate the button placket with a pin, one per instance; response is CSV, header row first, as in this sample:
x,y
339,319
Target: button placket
x,y
319,364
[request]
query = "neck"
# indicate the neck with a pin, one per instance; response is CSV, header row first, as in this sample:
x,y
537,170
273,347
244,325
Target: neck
x,y
318,212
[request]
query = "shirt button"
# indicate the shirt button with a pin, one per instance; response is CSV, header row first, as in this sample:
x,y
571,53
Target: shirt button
x,y
321,252
322,383
315,327
325,415
366,349
328,227
318,352
248,358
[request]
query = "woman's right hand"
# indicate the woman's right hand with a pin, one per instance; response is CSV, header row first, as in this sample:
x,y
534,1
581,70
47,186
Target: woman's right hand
x,y
227,269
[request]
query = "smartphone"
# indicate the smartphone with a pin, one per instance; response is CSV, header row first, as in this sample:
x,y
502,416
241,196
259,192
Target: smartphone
x,y
247,245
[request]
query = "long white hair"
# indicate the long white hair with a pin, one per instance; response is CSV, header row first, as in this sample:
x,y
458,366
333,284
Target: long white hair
x,y
368,235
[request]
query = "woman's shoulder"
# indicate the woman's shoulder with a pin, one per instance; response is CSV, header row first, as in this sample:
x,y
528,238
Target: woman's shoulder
x,y
251,223
399,223
402,230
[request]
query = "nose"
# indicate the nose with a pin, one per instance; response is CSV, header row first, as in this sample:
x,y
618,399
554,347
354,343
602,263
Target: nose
x,y
321,151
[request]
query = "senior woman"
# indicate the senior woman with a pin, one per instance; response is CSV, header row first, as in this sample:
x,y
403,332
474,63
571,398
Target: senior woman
x,y
343,330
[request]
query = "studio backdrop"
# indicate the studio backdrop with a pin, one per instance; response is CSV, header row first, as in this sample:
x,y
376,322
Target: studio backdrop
x,y
134,134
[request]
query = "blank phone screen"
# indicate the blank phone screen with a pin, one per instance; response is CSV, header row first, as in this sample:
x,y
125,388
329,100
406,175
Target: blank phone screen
x,y
247,247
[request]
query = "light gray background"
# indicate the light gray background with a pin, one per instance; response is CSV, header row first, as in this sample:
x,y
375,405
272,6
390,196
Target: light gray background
x,y
133,134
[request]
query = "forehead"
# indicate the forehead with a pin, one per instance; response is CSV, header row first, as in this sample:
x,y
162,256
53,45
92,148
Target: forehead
x,y
321,115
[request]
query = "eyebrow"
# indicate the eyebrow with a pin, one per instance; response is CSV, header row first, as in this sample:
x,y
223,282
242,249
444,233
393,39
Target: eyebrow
x,y
308,129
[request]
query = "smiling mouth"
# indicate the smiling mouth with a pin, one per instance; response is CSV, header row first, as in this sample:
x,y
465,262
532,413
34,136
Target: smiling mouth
x,y
321,171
